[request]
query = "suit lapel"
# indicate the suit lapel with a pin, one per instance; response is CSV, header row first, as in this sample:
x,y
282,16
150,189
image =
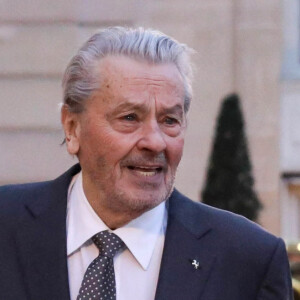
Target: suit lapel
x,y
41,240
185,242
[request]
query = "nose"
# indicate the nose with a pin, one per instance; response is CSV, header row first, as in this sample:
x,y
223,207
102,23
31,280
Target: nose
x,y
152,138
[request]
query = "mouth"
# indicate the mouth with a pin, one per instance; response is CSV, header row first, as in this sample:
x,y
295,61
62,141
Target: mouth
x,y
146,171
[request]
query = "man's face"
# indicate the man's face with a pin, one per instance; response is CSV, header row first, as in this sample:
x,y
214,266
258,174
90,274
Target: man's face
x,y
131,134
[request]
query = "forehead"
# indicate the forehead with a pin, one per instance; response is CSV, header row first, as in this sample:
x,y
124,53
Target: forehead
x,y
124,74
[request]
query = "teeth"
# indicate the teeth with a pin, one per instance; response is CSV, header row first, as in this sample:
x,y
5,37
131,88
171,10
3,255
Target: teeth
x,y
147,173
146,170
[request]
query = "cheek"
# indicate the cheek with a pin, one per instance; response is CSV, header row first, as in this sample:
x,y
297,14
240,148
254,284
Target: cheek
x,y
109,144
97,136
175,150
95,144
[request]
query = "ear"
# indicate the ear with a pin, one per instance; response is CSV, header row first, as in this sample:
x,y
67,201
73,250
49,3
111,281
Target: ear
x,y
71,125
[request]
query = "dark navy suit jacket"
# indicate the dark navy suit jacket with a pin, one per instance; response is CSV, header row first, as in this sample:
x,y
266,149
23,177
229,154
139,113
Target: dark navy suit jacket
x,y
237,259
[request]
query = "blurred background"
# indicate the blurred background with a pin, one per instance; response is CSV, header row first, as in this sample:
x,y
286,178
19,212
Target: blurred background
x,y
250,47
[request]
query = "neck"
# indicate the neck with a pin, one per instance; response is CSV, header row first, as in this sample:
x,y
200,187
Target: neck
x,y
114,209
112,218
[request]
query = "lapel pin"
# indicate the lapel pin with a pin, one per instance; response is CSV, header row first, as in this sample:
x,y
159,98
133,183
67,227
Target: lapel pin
x,y
195,263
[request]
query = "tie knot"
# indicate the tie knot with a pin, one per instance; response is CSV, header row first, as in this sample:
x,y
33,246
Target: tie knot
x,y
108,243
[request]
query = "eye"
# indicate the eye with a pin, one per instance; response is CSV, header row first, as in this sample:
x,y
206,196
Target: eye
x,y
171,121
130,117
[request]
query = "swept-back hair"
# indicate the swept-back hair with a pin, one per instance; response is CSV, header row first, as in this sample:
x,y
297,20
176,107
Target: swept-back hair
x,y
80,78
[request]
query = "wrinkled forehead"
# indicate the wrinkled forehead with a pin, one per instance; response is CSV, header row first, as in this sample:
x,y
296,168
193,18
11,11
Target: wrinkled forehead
x,y
117,73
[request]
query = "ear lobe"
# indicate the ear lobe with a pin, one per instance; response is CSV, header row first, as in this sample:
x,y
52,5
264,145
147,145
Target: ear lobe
x,y
71,125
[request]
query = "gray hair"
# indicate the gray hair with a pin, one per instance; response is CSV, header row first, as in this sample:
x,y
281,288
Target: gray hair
x,y
80,79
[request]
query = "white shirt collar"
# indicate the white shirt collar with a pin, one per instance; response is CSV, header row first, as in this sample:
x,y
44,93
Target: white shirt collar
x,y
140,235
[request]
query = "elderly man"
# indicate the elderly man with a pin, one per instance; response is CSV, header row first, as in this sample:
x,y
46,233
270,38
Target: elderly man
x,y
113,227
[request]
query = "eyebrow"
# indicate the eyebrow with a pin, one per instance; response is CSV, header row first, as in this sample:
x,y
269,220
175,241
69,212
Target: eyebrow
x,y
126,106
141,108
177,108
130,106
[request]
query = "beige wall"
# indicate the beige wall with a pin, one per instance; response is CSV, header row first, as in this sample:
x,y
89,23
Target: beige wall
x,y
237,47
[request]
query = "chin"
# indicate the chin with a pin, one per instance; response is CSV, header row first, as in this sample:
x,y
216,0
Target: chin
x,y
143,201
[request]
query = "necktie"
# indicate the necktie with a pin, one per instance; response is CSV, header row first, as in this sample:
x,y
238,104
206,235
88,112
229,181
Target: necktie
x,y
99,279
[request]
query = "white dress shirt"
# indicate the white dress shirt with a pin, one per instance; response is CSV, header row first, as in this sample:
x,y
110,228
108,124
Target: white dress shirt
x,y
136,268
